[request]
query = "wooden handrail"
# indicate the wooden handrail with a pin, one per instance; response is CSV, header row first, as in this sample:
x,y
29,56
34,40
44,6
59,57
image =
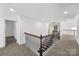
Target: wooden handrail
x,y
32,35
36,35
47,35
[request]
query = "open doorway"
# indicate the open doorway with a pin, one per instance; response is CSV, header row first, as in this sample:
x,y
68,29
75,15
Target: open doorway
x,y
10,32
54,28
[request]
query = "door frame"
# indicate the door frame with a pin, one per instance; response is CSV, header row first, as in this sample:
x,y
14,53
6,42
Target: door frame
x,y
14,29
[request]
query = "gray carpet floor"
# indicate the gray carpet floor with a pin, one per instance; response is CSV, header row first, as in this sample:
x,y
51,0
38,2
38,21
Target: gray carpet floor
x,y
13,49
67,46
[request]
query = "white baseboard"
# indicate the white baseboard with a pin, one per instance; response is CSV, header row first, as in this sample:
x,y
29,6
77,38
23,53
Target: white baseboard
x,y
2,45
20,43
77,41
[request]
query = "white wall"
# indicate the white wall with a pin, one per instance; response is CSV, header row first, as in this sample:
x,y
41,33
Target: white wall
x,y
77,37
34,26
2,26
10,28
66,26
19,33
2,32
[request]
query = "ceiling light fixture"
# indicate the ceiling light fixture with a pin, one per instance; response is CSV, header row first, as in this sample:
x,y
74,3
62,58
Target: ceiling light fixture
x,y
65,12
11,9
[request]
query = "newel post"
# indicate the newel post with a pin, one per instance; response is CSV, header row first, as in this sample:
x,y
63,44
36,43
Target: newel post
x,y
41,52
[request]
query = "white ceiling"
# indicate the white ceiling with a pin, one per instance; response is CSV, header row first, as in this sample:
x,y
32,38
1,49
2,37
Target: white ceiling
x,y
54,11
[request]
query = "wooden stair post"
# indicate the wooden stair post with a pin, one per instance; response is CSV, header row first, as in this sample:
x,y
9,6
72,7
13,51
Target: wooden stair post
x,y
41,52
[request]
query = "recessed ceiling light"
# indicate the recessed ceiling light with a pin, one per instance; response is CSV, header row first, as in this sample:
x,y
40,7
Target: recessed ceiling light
x,y
65,12
11,9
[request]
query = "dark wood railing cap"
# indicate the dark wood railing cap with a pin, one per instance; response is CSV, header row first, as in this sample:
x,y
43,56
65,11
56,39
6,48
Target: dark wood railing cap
x,y
32,35
38,36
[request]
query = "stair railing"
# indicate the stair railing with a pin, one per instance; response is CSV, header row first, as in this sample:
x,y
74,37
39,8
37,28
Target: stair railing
x,y
41,53
36,42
